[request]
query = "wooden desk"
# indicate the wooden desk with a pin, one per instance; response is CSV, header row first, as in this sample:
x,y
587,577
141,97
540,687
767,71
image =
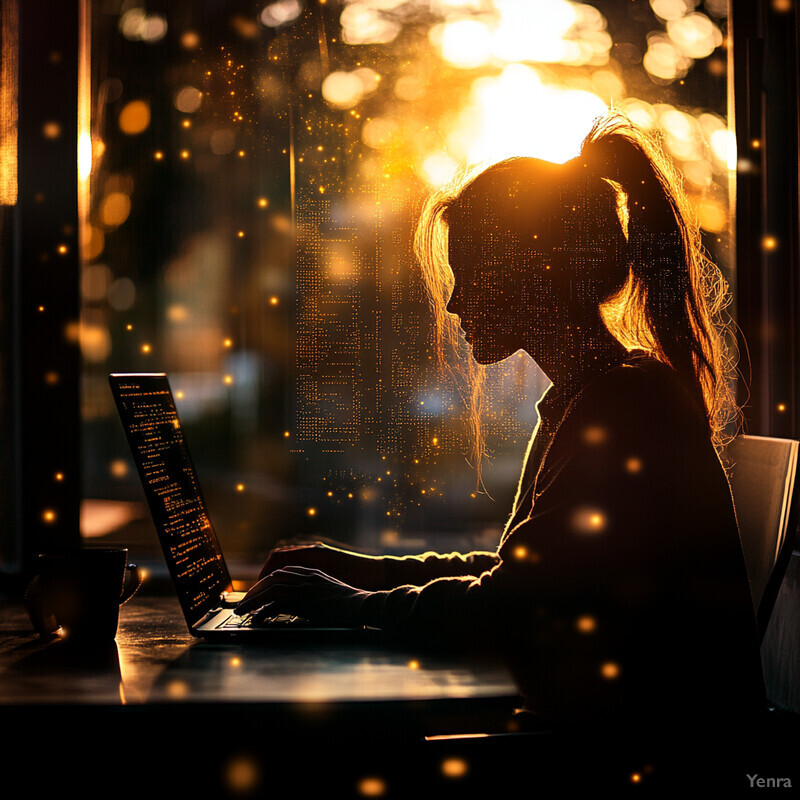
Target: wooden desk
x,y
209,716
156,661
158,710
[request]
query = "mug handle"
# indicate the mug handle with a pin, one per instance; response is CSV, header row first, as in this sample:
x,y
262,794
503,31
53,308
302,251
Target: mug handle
x,y
134,580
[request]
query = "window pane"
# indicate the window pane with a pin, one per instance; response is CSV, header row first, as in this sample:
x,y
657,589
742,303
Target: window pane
x,y
257,172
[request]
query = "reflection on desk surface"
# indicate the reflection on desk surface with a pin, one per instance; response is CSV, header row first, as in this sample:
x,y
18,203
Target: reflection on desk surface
x,y
156,660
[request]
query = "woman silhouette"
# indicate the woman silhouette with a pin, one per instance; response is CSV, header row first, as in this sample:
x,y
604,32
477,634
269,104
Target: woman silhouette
x,y
618,589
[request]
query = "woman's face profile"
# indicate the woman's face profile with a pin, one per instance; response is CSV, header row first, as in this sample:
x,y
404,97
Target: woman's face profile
x,y
499,296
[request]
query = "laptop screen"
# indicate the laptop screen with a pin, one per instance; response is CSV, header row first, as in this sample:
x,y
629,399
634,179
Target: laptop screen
x,y
191,549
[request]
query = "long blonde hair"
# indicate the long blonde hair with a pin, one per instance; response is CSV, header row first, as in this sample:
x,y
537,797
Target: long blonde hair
x,y
671,302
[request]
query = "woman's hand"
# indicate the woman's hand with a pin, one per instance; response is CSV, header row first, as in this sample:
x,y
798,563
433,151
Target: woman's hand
x,y
364,572
306,592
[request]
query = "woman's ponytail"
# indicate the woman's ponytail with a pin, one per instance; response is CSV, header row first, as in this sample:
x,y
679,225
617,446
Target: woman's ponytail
x,y
674,298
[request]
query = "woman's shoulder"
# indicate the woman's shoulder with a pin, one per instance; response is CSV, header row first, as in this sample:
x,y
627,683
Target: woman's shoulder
x,y
640,395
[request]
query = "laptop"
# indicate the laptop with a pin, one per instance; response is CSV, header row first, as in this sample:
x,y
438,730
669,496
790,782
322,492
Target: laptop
x,y
191,549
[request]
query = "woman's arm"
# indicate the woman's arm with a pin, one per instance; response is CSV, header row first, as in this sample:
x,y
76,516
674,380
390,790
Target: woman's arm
x,y
376,573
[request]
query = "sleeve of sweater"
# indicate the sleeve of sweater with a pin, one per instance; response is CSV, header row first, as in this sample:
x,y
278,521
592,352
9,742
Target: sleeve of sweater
x,y
594,537
418,570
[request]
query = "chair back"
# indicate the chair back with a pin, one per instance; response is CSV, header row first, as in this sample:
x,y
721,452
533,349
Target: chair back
x,y
763,481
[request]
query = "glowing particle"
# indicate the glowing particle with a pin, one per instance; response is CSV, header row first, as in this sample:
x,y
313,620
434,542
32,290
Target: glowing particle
x,y
769,243
239,487
633,464
312,512
129,327
594,434
520,552
781,407
51,130
755,144
371,786
179,395
59,476
134,117
242,775
227,342
146,348
263,202
63,249
51,378
241,154
49,516
330,494
322,190
41,308
185,154
587,520
236,661
413,664
609,670
636,777
118,468
228,379
586,624
286,434
454,767
273,301
240,234
435,441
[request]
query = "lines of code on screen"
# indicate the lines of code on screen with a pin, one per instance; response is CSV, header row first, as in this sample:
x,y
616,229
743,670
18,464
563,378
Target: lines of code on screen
x,y
179,512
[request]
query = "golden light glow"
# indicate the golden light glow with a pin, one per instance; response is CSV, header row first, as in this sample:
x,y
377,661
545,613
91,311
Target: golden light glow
x,y
239,487
496,125
242,775
520,552
63,249
263,202
146,348
59,476
610,670
454,767
413,664
371,786
586,520
49,516
594,434
236,661
636,777
633,464
312,512
118,468
228,379
227,342
84,156
115,209
134,117
586,624
158,155
769,243
273,301
51,130
781,407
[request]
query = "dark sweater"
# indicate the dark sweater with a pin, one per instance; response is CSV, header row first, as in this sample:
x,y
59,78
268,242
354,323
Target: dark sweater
x,y
619,586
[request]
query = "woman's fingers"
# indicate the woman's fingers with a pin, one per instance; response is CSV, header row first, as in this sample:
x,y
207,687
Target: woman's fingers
x,y
280,584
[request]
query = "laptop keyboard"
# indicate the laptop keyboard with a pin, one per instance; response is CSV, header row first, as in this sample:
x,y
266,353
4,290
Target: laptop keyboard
x,y
236,622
